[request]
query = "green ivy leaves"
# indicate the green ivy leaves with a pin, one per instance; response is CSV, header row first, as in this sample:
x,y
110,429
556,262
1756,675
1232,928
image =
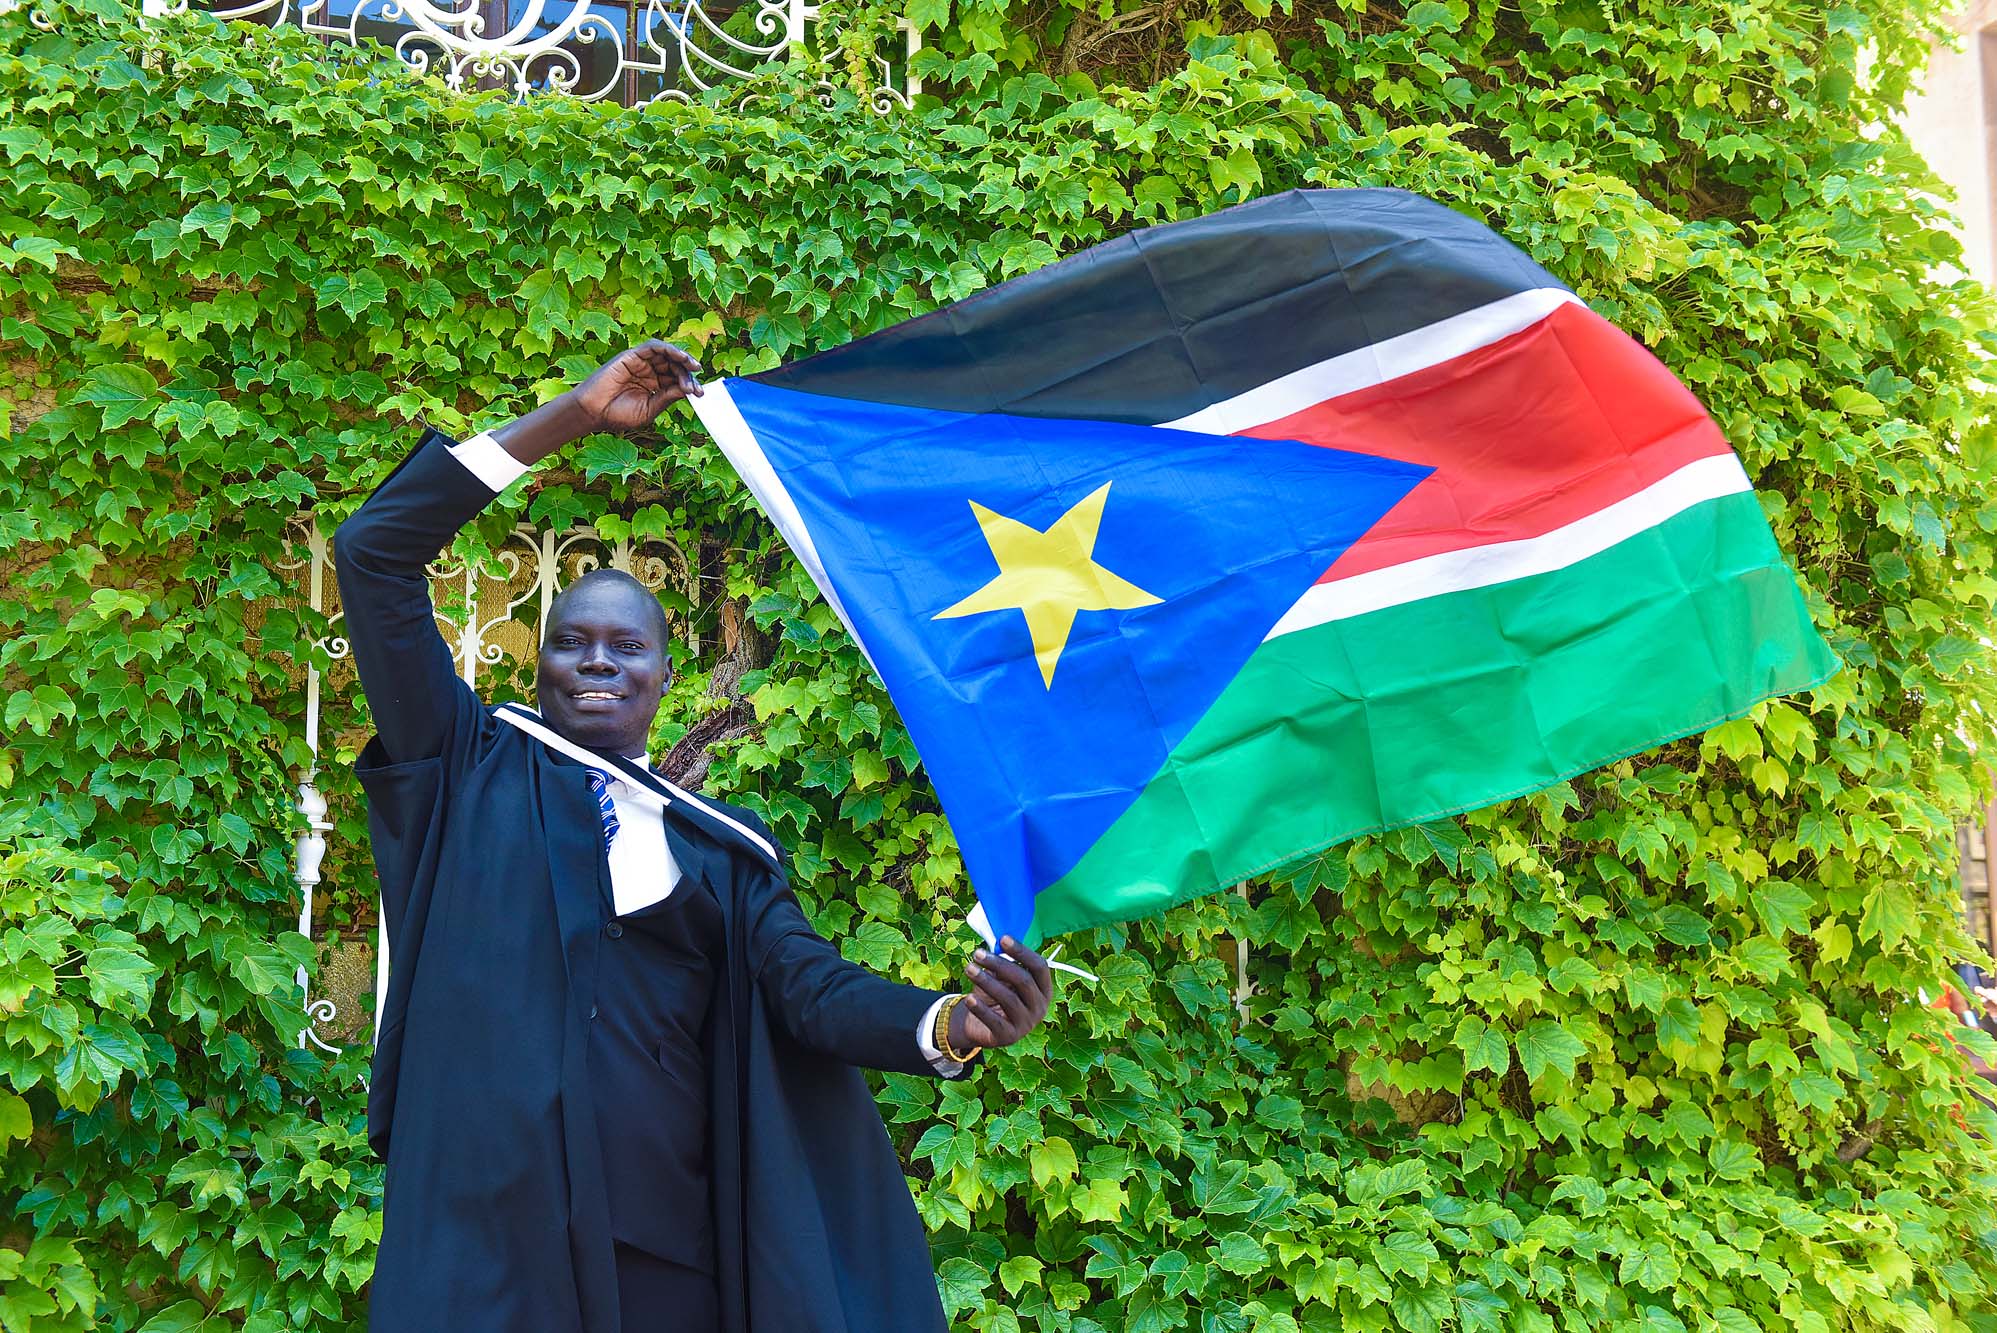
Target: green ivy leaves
x,y
1545,1046
123,393
1644,1050
352,292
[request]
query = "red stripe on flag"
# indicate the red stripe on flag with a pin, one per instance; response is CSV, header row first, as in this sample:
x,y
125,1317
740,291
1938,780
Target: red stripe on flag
x,y
1525,435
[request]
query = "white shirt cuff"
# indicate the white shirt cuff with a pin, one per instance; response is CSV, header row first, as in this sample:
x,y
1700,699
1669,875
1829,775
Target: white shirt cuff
x,y
486,459
924,1042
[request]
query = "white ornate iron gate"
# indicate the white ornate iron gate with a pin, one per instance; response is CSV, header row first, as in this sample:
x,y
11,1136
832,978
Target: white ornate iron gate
x,y
627,51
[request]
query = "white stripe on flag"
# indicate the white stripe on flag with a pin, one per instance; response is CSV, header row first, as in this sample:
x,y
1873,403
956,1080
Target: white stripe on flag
x,y
1376,363
717,411
1501,562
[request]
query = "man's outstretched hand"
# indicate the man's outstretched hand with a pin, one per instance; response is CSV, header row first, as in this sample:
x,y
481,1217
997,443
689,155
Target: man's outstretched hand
x,y
624,394
629,391
1008,998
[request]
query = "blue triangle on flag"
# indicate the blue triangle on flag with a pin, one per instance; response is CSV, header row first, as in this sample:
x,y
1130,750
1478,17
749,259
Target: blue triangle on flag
x,y
1226,532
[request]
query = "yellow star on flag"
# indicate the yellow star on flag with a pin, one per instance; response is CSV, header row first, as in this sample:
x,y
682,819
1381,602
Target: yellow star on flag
x,y
1049,576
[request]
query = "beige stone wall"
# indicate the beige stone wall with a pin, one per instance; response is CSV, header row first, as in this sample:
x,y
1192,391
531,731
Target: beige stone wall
x,y
1953,122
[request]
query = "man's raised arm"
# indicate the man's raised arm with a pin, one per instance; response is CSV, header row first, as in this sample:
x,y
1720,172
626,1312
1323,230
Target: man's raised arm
x,y
380,553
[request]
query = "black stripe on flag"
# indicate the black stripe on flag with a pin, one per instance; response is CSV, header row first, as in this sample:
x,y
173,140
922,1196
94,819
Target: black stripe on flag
x,y
1157,324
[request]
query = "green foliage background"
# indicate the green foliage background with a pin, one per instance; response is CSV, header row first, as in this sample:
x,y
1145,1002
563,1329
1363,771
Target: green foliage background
x,y
1640,1052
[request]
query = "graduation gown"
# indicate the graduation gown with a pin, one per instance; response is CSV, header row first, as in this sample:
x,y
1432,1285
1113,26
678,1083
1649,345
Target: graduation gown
x,y
494,882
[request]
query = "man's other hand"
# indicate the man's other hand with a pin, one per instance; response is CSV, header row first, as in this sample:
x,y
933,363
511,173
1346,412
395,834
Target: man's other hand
x,y
629,391
1008,998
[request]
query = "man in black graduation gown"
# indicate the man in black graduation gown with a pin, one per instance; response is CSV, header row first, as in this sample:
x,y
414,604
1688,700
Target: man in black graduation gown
x,y
615,1083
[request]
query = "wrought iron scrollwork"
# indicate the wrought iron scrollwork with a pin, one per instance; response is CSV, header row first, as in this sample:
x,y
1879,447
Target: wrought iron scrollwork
x,y
629,51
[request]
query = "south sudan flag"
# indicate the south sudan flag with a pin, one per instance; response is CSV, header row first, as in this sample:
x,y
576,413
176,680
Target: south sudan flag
x,y
1222,542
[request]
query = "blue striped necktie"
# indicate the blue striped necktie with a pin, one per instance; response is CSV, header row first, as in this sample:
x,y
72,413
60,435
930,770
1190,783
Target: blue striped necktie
x,y
599,785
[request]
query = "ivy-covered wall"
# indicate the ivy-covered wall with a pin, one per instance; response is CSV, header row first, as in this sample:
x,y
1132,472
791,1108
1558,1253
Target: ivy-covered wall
x,y
1644,1051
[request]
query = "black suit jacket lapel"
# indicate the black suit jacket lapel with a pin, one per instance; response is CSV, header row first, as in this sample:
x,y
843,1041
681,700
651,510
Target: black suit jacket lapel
x,y
699,856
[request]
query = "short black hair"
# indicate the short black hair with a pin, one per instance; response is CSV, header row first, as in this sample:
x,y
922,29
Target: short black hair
x,y
597,577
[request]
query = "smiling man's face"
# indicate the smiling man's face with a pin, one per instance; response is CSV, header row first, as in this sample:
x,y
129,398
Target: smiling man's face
x,y
603,665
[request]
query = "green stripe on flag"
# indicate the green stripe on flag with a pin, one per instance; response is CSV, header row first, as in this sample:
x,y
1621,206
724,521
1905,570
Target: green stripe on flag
x,y
1455,702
